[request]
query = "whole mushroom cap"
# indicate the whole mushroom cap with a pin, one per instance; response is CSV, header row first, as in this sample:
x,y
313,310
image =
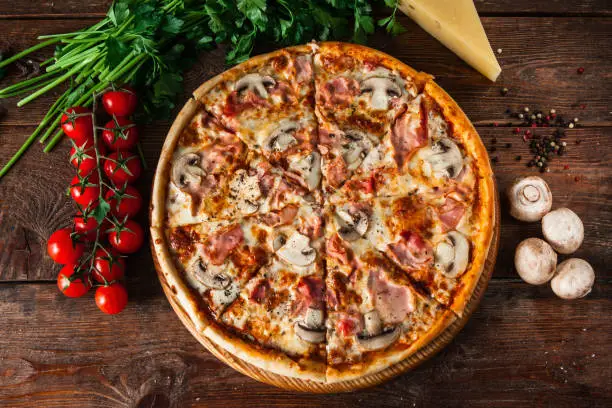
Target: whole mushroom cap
x,y
574,279
535,261
530,198
563,229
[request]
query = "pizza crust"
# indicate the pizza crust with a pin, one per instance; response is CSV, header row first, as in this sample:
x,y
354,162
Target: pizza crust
x,y
485,207
275,361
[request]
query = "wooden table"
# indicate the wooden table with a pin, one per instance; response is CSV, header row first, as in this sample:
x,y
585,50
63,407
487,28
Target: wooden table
x,y
524,346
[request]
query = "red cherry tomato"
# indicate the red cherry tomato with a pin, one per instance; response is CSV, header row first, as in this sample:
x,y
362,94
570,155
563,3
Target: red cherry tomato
x,y
108,265
77,124
123,138
83,157
120,102
122,168
85,225
111,299
128,239
125,202
75,287
85,191
62,249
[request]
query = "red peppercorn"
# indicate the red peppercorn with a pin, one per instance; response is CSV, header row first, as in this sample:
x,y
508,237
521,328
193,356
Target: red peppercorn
x,y
580,70
517,130
528,133
566,167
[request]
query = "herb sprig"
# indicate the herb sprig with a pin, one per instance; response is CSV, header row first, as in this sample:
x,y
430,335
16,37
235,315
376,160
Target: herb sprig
x,y
150,43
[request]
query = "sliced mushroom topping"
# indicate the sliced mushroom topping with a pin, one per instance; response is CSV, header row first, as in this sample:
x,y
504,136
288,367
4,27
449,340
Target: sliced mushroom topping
x,y
452,254
311,329
356,149
210,276
246,190
309,169
187,174
375,337
282,138
314,318
223,297
256,83
382,90
297,250
279,241
443,158
530,198
351,226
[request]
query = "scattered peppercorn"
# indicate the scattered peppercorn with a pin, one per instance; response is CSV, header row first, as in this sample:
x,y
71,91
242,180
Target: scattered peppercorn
x,y
508,145
495,159
504,91
580,70
518,158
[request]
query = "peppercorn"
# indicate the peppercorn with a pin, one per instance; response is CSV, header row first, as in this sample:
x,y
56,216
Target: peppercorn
x,y
580,70
518,158
521,116
494,159
504,91
508,145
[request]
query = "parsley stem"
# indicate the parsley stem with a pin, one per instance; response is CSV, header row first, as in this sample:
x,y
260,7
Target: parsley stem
x,y
26,52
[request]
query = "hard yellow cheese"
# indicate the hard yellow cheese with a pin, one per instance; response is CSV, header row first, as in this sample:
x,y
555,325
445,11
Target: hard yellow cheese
x,y
455,24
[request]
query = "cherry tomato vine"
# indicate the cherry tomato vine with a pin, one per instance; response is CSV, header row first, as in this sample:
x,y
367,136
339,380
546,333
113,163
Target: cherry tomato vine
x,y
105,199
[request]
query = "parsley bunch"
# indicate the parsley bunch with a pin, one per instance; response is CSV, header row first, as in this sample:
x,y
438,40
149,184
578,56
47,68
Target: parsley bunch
x,y
149,43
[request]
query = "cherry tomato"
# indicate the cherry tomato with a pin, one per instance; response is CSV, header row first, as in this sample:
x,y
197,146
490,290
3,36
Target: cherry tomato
x,y
86,190
108,265
85,225
74,288
125,202
62,248
83,157
111,299
120,102
122,168
124,138
77,124
128,238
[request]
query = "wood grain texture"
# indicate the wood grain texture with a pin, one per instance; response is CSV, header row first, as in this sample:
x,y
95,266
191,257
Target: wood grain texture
x,y
518,349
539,60
98,8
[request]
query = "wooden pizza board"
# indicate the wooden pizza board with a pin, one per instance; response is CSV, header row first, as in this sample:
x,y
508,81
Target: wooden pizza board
x,y
371,380
297,384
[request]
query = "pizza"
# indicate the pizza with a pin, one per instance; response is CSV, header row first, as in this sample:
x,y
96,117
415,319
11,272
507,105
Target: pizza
x,y
322,212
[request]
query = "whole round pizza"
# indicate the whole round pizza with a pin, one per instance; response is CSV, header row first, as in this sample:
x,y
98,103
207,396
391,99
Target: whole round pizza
x,y
322,211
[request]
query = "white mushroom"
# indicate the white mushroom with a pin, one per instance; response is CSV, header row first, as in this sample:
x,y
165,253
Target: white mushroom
x,y
442,159
282,138
530,198
351,226
535,261
309,169
563,229
375,337
278,241
452,255
358,146
256,83
245,189
311,329
574,279
297,250
210,276
382,90
187,174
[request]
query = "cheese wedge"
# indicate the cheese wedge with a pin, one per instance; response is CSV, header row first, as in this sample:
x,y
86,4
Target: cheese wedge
x,y
455,23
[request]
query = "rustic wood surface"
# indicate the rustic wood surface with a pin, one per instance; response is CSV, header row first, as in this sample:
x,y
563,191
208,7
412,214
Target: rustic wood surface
x,y
522,347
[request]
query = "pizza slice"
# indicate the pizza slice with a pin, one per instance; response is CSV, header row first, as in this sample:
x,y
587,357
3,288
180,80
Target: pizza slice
x,y
219,180
359,95
376,316
430,236
280,311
